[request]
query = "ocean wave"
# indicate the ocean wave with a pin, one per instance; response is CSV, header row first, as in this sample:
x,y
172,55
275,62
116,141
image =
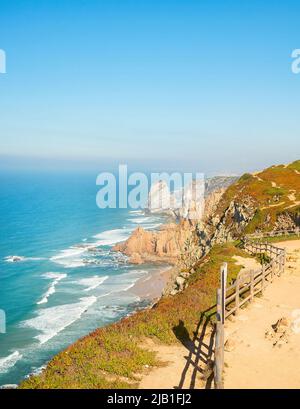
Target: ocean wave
x,y
92,282
153,225
51,321
51,290
36,371
9,361
73,256
125,282
137,211
69,257
68,253
141,220
111,237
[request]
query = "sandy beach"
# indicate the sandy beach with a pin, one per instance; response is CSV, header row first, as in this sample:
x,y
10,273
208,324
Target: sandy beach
x,y
152,286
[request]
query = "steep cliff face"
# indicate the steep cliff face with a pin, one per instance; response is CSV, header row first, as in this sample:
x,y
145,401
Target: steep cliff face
x,y
187,202
199,197
169,244
265,201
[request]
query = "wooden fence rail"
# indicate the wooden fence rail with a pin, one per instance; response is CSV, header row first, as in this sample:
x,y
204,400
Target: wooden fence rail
x,y
287,232
247,285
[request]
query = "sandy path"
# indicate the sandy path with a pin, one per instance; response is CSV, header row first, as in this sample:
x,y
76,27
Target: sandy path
x,y
176,372
254,362
186,366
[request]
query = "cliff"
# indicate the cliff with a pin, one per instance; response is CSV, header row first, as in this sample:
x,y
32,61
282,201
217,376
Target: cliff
x,y
263,201
168,244
174,243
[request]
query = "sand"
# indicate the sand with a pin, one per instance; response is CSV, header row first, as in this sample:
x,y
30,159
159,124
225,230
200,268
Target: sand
x,y
255,362
151,286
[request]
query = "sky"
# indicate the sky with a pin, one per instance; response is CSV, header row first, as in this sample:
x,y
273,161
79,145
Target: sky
x,y
183,84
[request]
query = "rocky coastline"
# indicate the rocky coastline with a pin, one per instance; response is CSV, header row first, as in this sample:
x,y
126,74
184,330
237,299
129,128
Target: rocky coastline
x,y
231,209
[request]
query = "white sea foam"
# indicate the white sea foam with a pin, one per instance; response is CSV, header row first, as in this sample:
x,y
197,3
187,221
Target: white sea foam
x,y
9,386
68,253
92,282
137,211
51,290
9,361
140,220
153,225
36,371
126,281
111,237
69,257
51,321
15,259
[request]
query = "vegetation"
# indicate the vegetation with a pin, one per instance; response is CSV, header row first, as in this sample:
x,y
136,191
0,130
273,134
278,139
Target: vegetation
x,y
273,192
295,165
281,238
111,357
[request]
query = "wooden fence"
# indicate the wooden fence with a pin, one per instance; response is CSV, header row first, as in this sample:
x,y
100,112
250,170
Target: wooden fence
x,y
276,233
247,285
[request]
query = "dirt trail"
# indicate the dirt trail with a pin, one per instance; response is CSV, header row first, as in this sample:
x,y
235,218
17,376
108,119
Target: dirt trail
x,y
185,366
292,198
189,365
253,361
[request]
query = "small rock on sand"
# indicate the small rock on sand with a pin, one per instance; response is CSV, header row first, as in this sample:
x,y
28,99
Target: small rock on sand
x,y
230,345
281,325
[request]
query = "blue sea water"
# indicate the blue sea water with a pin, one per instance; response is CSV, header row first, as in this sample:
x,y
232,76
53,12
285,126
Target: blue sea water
x,y
68,281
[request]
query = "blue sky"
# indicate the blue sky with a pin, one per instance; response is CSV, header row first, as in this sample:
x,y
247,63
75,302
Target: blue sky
x,y
185,84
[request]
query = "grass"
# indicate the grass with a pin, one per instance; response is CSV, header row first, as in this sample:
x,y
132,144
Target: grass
x,y
111,357
295,165
281,238
270,193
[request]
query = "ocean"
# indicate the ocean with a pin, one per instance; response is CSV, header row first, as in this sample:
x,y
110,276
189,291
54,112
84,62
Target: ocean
x,y
67,281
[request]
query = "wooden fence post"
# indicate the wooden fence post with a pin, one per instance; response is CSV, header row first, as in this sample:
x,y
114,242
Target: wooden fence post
x,y
237,295
283,260
272,271
251,285
263,280
219,345
223,291
280,262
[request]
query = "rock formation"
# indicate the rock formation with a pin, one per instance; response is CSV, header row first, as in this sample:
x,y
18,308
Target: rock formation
x,y
168,244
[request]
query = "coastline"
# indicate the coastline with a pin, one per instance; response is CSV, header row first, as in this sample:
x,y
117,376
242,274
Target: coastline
x,y
153,286
150,288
